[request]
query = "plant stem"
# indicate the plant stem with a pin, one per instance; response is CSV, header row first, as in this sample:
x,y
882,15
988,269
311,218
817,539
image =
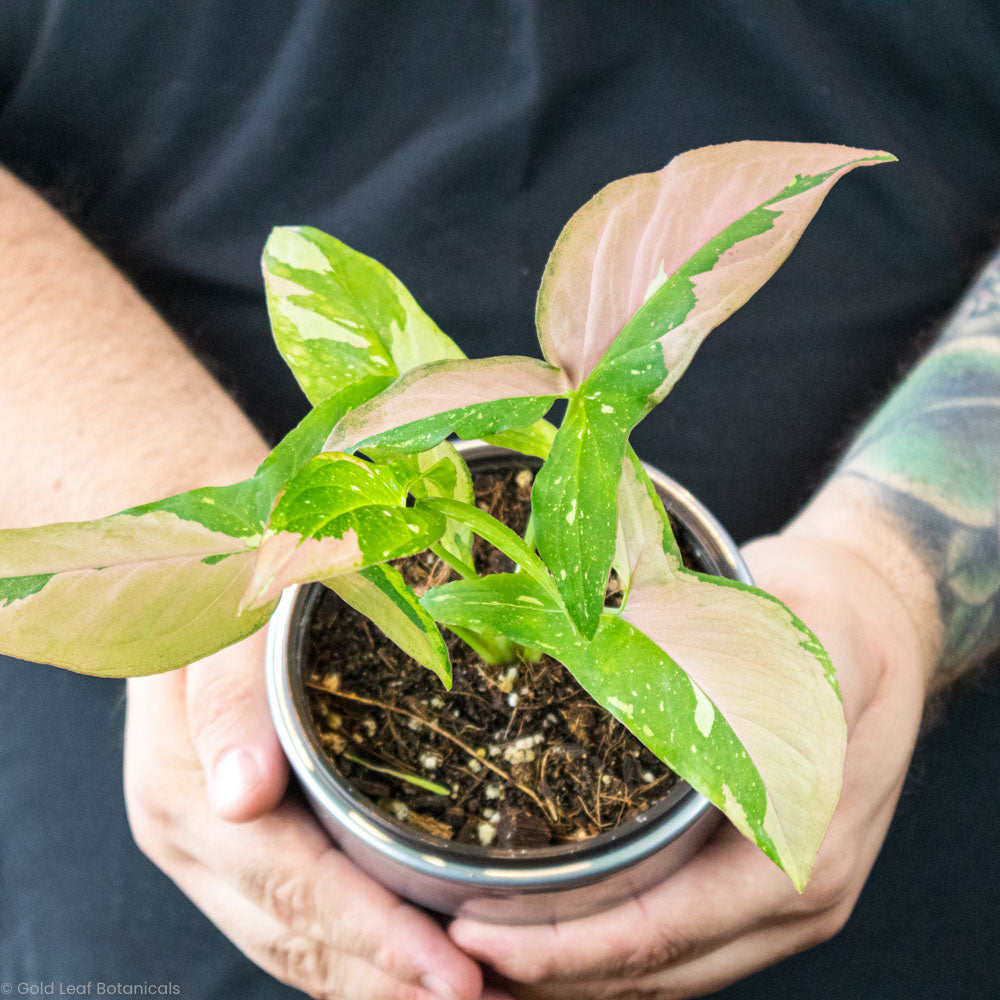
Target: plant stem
x,y
462,568
491,649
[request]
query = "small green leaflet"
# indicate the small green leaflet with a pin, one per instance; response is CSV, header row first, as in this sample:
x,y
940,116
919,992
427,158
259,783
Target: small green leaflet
x,y
413,779
438,472
634,284
339,316
381,594
534,440
338,515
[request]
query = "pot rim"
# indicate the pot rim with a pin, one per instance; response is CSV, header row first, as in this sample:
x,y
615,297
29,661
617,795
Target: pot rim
x,y
524,870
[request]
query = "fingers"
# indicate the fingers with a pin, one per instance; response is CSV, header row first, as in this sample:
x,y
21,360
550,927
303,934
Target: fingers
x,y
297,907
727,912
727,889
275,885
230,726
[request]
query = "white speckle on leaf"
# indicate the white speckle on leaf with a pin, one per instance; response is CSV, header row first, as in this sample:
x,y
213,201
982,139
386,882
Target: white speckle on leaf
x,y
607,409
704,712
622,706
529,600
571,513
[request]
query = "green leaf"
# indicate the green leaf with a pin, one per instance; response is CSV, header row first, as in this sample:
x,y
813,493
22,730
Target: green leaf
x,y
339,316
305,441
471,398
125,595
438,472
512,605
381,594
338,515
534,440
573,502
677,251
755,668
637,279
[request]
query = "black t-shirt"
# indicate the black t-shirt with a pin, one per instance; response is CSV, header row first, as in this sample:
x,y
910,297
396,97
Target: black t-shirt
x,y
451,141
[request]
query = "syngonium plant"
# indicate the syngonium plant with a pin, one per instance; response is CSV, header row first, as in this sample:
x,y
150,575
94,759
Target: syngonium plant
x,y
720,680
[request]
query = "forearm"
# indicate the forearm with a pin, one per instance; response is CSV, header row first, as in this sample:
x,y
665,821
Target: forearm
x,y
921,484
105,406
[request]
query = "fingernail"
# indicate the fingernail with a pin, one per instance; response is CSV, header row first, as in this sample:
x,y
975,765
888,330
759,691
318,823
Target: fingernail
x,y
236,773
439,988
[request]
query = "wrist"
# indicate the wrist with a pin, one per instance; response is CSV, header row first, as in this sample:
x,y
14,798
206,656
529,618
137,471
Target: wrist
x,y
889,585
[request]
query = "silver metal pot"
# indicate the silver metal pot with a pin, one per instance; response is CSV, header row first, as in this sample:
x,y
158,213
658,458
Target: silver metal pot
x,y
503,886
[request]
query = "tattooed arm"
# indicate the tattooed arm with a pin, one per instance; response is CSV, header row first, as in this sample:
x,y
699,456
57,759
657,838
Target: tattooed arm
x,y
896,565
931,456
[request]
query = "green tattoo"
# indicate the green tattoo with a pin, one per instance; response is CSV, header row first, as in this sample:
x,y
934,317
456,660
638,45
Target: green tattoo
x,y
933,454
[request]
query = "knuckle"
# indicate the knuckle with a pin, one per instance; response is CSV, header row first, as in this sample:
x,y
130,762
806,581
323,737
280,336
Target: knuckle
x,y
832,884
660,947
287,896
833,922
307,964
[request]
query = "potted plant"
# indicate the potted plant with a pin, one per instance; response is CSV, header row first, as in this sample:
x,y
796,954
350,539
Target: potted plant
x,y
716,679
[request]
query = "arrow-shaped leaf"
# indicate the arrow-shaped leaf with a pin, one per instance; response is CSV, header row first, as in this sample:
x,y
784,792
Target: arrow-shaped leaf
x,y
339,316
754,667
637,279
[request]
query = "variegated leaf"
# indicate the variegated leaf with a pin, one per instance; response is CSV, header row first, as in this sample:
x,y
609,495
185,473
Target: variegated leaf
x,y
534,440
381,594
438,472
754,669
339,316
641,516
645,270
668,255
471,398
338,515
130,594
642,686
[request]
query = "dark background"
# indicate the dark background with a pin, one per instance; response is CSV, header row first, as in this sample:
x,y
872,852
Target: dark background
x,y
451,141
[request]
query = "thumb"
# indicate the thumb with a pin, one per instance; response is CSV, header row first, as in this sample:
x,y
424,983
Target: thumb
x,y
245,769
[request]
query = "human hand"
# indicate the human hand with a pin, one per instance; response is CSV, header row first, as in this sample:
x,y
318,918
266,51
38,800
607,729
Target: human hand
x,y
265,873
730,911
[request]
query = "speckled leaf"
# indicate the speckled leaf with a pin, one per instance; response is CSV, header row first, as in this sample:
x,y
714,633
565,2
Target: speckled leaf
x,y
381,594
338,515
573,504
534,440
338,315
126,595
471,398
668,255
637,279
755,669
438,472
631,677
512,605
